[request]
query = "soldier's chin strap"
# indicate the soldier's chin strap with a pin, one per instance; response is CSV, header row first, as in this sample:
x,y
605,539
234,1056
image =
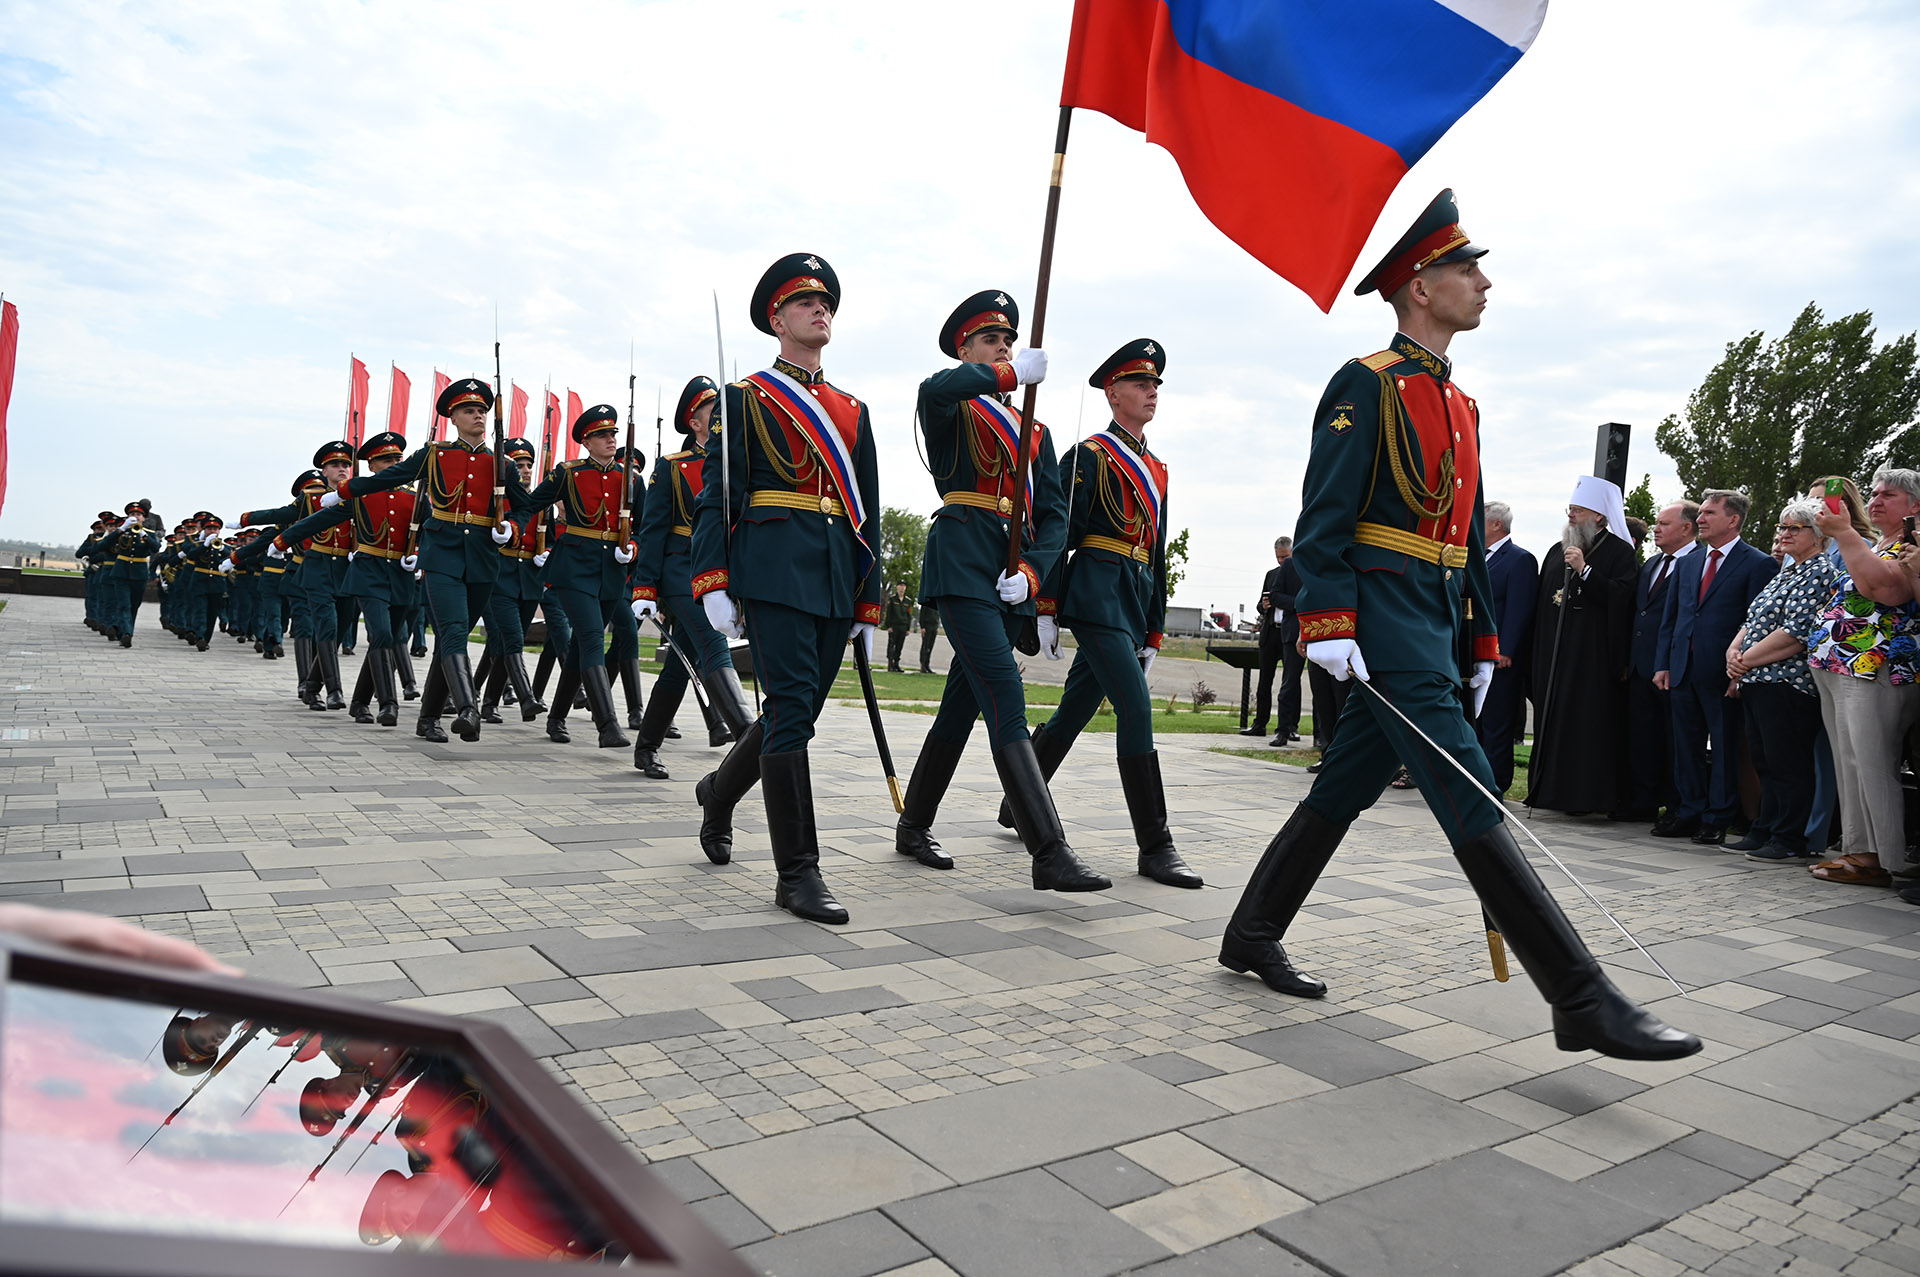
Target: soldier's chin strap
x,y
1560,864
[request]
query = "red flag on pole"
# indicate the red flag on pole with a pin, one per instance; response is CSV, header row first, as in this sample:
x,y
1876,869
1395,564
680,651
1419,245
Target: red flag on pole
x,y
517,419
356,402
397,401
440,382
9,342
574,409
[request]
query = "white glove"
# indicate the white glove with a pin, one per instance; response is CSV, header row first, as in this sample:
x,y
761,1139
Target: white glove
x,y
623,554
408,562
418,576
1337,657
350,554
231,524
133,521
540,559
1050,638
330,499
644,608
1482,676
863,635
722,614
206,538
1030,367
226,565
503,533
1013,589
1147,655
274,551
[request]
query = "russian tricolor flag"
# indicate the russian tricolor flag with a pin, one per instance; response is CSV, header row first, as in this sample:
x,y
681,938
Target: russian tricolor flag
x,y
1293,120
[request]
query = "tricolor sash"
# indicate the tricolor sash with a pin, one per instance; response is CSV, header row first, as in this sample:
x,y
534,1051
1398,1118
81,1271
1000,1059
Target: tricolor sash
x,y
1005,424
810,418
1146,489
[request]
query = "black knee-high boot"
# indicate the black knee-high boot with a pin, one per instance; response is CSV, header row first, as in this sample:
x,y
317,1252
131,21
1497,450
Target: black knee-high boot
x,y
303,671
786,784
606,719
543,670
466,712
403,669
1147,805
562,702
1281,882
1050,753
433,702
359,707
721,789
652,730
1055,867
530,705
328,655
629,670
488,679
380,661
932,773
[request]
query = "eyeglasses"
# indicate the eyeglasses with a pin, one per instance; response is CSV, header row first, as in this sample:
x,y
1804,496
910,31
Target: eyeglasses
x,y
1788,529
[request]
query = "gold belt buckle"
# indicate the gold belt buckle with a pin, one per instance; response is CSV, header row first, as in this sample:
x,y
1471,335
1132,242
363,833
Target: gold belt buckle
x,y
826,504
1006,506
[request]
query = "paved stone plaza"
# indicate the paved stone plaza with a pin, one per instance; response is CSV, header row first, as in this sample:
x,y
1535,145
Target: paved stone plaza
x,y
981,1079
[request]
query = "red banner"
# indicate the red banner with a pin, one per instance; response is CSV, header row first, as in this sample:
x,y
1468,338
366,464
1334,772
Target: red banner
x,y
397,403
517,419
549,431
9,342
356,401
574,409
440,382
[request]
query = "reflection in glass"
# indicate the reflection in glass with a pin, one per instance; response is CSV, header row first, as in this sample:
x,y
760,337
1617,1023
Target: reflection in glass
x,y
127,1116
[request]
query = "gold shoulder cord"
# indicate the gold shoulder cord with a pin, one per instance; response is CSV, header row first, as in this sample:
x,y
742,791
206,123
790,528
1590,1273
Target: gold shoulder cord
x,y
437,494
1111,503
1425,502
792,475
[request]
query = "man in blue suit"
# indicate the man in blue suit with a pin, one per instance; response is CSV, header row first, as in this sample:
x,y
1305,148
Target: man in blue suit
x,y
1649,710
1515,577
1706,604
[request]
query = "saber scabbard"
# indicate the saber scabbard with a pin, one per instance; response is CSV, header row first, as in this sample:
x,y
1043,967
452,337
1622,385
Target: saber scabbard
x,y
865,669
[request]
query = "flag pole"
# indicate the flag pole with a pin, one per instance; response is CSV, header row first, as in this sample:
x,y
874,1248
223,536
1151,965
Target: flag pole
x,y
1034,336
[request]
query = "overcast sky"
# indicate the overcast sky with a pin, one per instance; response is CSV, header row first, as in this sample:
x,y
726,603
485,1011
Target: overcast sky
x,y
204,208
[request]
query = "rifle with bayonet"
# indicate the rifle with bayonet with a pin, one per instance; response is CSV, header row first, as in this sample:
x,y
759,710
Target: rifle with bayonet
x,y
626,479
499,432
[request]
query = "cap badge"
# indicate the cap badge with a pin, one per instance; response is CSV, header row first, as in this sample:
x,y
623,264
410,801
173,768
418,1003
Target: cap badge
x,y
813,263
999,299
1149,348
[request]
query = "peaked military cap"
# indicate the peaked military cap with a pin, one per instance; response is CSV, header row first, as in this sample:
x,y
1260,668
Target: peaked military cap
x,y
385,444
338,450
179,1053
698,391
143,505
1435,239
518,447
308,481
466,390
794,275
983,312
639,458
108,516
602,416
1141,357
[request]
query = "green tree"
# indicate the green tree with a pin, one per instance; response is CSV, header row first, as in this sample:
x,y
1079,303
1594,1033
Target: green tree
x,y
1640,504
1176,561
903,543
1771,417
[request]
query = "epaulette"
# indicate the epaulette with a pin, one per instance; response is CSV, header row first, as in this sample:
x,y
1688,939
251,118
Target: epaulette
x,y
678,456
1384,359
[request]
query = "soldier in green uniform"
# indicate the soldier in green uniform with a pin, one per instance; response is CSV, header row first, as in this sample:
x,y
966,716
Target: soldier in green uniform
x,y
783,550
587,570
93,577
132,545
459,528
898,623
974,439
318,579
516,596
200,557
1392,555
1111,591
663,583
623,656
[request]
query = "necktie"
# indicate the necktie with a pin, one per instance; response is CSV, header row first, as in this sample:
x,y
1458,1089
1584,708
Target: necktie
x,y
1706,578
1666,566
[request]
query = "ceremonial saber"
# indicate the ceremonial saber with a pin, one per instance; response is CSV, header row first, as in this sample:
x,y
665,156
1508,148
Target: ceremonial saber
x,y
693,675
298,1047
865,669
1546,851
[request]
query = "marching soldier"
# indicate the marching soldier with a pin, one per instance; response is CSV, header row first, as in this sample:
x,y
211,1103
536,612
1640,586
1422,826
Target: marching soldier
x,y
623,659
663,582
457,534
133,546
320,578
1391,558
784,550
974,439
516,595
94,578
587,569
1112,593
201,558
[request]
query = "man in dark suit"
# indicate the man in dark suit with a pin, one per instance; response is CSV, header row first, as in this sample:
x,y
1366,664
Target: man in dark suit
x,y
1649,710
1277,622
1706,604
1515,576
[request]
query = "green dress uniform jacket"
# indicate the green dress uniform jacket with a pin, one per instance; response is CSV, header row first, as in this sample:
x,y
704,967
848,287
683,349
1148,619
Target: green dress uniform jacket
x,y
456,533
1116,574
133,550
899,616
589,495
967,544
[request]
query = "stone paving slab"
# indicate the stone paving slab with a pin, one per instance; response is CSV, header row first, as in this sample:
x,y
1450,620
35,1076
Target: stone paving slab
x,y
975,1077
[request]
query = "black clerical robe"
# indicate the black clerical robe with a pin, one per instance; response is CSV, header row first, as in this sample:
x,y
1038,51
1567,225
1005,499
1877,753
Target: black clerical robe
x,y
1581,634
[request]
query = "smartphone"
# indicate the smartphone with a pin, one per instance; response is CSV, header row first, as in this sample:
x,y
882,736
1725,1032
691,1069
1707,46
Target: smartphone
x,y
1835,498
1907,533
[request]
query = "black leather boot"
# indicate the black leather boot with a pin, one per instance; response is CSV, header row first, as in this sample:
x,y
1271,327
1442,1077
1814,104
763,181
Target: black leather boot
x,y
543,670
1051,754
562,701
787,786
1147,805
721,789
646,741
304,668
1293,862
1055,867
718,732
327,653
403,668
629,671
466,714
380,661
433,701
729,701
606,719
489,679
932,773
360,707
530,705
1589,1014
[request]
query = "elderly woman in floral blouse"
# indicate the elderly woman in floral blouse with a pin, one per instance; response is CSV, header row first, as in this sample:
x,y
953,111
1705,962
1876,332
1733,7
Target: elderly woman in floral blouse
x,y
1863,655
1768,660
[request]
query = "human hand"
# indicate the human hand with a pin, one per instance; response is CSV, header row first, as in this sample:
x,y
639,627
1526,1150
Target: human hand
x,y
503,533
1050,638
644,608
329,500
1831,524
1663,680
1012,588
1504,662
94,933
227,564
275,550
1576,559
1478,684
1147,656
723,614
862,634
540,559
408,562
623,554
1030,367
1339,657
